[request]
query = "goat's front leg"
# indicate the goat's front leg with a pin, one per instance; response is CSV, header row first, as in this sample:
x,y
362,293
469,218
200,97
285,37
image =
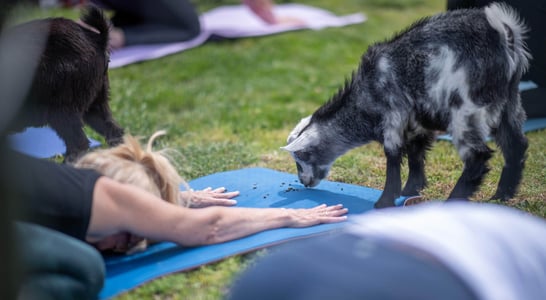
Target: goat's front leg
x,y
416,162
393,182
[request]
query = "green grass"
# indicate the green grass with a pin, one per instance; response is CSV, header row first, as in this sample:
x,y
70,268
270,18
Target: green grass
x,y
229,105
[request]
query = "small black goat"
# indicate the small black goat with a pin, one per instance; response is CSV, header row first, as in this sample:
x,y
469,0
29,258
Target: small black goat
x,y
457,72
70,84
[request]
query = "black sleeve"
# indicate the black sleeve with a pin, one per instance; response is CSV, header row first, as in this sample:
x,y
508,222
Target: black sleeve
x,y
53,195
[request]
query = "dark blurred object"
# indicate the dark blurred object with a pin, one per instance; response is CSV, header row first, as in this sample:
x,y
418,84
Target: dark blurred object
x,y
534,14
76,272
534,102
9,277
16,70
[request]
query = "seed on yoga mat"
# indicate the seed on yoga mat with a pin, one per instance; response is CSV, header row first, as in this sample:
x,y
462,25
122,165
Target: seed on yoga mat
x,y
291,189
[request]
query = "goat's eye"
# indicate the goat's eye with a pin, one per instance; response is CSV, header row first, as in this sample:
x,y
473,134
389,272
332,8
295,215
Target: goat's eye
x,y
301,155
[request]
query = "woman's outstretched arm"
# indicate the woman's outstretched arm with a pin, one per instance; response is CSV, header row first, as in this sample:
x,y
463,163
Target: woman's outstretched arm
x,y
120,208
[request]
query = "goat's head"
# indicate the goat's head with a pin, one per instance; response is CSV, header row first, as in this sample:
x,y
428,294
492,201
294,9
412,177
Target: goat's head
x,y
313,152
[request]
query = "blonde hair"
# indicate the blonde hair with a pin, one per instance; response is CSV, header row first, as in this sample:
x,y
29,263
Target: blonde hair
x,y
131,164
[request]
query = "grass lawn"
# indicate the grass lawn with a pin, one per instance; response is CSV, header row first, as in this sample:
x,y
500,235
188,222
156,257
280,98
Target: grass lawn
x,y
228,105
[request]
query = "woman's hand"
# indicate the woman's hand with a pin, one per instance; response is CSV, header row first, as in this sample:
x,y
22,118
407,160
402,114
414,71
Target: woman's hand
x,y
317,215
209,197
119,243
263,9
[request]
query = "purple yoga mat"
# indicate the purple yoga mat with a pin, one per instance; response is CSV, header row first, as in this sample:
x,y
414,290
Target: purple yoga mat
x,y
41,142
237,21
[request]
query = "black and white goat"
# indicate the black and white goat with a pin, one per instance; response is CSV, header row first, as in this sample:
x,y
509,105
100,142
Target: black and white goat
x,y
70,84
457,72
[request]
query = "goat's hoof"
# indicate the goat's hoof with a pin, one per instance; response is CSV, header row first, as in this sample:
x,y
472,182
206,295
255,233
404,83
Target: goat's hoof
x,y
452,199
413,200
72,157
383,203
502,198
114,141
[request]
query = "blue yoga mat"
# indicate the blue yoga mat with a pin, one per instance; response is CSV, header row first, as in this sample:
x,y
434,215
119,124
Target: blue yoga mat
x,y
258,187
530,125
41,142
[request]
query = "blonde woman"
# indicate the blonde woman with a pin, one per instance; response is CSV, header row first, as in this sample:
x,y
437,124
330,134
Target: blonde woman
x,y
119,209
113,199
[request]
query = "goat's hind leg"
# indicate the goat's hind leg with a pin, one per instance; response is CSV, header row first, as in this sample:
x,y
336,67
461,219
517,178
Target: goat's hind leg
x,y
416,151
69,127
513,144
99,117
475,153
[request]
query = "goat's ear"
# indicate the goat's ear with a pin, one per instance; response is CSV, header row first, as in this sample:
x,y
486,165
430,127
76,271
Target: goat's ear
x,y
295,142
298,144
296,131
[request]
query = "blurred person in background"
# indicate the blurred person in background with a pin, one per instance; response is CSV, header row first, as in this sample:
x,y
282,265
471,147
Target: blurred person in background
x,y
164,21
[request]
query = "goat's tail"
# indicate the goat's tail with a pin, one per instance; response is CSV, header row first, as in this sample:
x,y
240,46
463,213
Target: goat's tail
x,y
507,22
94,17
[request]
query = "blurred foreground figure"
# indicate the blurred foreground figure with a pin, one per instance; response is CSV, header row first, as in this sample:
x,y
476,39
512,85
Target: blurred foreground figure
x,y
16,69
455,250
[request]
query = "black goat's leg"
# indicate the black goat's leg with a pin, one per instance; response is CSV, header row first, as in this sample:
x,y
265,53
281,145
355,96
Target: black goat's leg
x,y
416,150
393,182
513,144
475,157
99,117
69,127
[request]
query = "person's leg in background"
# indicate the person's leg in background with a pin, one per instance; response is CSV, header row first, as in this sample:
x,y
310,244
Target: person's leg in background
x,y
151,22
56,266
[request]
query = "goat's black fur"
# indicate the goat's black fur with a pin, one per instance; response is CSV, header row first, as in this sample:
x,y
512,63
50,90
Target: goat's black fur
x,y
70,86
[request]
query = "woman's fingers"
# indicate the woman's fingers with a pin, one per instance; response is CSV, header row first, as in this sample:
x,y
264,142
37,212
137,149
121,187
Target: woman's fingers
x,y
335,210
216,193
320,214
221,193
213,197
200,203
